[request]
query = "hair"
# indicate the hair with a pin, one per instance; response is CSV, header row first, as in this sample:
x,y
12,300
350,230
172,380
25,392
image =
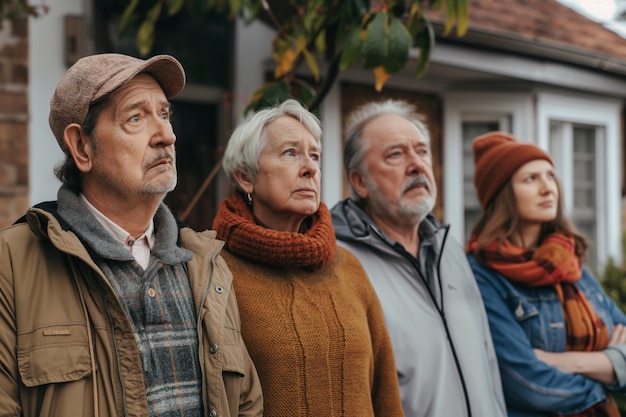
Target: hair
x,y
248,140
67,171
354,149
500,221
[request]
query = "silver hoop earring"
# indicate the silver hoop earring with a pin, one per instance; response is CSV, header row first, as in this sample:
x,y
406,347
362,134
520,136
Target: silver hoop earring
x,y
249,196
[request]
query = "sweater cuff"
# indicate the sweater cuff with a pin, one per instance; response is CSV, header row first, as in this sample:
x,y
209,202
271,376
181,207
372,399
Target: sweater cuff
x,y
617,356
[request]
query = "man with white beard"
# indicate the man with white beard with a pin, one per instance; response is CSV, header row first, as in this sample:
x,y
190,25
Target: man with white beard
x,y
434,314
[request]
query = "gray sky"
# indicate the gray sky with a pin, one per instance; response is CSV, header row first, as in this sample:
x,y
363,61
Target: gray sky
x,y
600,10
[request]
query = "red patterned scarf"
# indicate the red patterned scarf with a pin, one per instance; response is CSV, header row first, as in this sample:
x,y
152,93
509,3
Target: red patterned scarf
x,y
312,249
555,263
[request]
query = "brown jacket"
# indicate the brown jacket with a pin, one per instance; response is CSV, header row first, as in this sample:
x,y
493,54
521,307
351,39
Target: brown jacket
x,y
61,324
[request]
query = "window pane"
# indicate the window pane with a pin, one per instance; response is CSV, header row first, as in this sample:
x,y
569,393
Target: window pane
x,y
471,218
573,149
588,228
584,198
471,129
584,169
584,139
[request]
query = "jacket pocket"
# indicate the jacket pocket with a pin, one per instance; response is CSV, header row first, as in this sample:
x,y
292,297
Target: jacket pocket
x,y
234,353
522,309
52,355
526,313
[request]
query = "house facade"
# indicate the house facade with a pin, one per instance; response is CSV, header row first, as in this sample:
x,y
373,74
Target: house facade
x,y
558,83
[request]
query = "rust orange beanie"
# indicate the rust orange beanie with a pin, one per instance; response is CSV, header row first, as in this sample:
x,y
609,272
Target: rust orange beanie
x,y
497,155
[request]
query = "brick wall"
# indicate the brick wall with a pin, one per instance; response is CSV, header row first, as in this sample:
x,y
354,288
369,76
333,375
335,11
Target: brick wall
x,y
13,120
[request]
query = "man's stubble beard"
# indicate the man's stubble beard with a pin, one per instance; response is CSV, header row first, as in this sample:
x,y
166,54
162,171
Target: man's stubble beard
x,y
411,213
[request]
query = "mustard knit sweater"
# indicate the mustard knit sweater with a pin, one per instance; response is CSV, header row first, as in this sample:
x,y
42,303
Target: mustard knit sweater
x,y
314,329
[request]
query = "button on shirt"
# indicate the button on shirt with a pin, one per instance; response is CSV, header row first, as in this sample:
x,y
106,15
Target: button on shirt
x,y
139,247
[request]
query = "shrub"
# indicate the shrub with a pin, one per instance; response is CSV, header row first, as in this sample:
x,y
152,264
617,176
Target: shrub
x,y
613,280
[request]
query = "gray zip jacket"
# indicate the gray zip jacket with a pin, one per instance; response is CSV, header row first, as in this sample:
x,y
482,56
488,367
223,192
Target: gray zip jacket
x,y
434,314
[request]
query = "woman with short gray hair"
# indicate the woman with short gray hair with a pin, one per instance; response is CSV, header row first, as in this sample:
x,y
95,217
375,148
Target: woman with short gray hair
x,y
310,318
247,141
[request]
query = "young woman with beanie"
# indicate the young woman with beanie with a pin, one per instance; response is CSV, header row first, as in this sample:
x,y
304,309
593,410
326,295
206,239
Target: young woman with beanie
x,y
560,340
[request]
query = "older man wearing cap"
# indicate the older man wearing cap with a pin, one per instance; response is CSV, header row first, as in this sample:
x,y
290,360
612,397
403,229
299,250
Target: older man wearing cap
x,y
108,306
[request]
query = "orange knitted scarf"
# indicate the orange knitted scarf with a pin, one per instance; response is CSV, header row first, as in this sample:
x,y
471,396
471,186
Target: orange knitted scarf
x,y
312,249
553,263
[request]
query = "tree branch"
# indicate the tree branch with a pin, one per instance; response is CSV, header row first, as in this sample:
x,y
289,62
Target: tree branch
x,y
329,81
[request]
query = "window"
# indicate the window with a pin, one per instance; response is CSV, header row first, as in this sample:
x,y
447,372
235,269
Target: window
x,y
576,148
581,133
472,129
582,136
466,116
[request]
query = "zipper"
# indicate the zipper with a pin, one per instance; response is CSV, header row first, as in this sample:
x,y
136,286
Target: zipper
x,y
399,248
103,279
117,355
205,388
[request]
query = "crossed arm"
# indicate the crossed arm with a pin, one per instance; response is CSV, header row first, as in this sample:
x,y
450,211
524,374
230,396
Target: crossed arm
x,y
594,365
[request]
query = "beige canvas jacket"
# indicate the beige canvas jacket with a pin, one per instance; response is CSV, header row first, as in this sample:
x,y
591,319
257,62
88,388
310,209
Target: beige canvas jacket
x,y
61,324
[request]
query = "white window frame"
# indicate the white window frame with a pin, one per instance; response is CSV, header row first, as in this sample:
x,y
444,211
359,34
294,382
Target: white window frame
x,y
467,106
504,124
605,114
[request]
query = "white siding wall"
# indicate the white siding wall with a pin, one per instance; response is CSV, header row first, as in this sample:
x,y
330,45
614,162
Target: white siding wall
x,y
47,66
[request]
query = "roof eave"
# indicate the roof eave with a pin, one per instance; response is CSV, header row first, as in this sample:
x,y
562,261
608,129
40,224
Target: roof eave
x,y
508,42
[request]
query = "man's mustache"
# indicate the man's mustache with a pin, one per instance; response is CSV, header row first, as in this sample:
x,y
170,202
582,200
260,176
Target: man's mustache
x,y
171,156
416,181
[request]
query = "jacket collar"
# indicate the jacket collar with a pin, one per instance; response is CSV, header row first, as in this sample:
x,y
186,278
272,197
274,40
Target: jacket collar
x,y
352,223
71,215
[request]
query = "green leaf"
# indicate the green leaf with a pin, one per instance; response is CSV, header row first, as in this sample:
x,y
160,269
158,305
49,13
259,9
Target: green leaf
x,y
127,16
269,95
286,50
154,13
351,48
145,34
450,16
145,38
313,16
414,21
462,17
312,64
425,42
249,10
320,42
307,93
374,50
358,7
235,6
174,6
399,46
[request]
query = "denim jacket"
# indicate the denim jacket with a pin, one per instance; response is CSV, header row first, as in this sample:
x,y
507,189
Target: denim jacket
x,y
523,318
